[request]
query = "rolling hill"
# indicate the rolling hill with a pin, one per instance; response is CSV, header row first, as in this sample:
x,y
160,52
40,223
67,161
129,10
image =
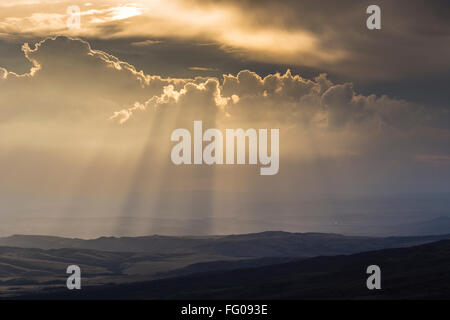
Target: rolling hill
x,y
420,272
35,263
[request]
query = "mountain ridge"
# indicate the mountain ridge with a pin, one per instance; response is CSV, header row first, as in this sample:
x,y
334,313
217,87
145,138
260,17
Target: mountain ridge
x,y
271,243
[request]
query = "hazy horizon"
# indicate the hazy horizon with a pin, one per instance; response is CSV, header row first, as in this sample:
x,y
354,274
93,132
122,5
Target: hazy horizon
x,y
383,216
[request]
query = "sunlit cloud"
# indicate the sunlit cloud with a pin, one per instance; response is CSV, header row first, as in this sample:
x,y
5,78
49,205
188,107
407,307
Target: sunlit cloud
x,y
307,33
202,69
224,25
124,12
145,43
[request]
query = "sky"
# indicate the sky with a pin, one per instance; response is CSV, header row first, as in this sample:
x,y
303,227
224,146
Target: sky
x,y
87,114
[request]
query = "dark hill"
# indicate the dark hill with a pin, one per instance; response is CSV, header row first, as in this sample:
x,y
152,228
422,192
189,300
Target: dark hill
x,y
420,272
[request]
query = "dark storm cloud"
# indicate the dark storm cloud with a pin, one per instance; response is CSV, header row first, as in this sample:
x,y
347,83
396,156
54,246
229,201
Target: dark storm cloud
x,y
414,37
225,36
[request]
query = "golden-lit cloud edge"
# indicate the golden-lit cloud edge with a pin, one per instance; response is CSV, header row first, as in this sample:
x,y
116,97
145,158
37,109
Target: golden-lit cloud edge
x,y
94,87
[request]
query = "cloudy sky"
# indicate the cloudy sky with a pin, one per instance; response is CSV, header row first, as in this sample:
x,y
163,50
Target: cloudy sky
x,y
86,114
